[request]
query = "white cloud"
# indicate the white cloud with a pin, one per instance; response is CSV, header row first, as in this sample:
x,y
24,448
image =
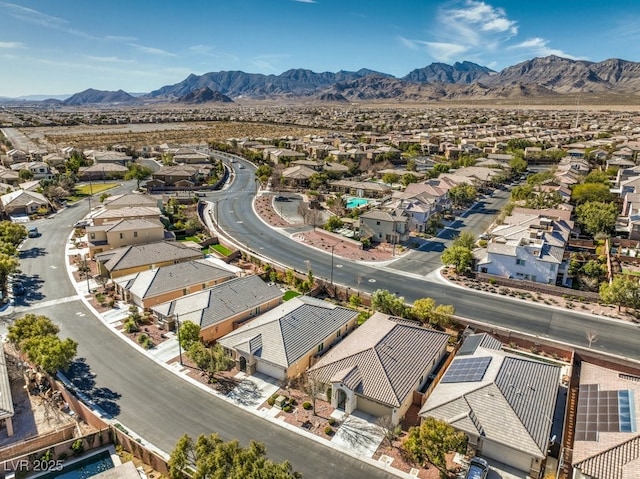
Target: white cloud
x,y
11,45
120,38
475,23
153,51
305,1
441,51
36,17
538,47
108,59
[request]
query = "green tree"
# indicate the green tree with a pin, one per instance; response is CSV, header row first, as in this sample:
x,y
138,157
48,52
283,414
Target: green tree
x,y
432,441
388,303
212,458
333,223
459,257
540,178
189,334
521,192
462,194
517,166
597,217
138,172
622,291
390,178
8,265
12,233
466,239
210,360
50,353
409,178
426,310
439,168
597,176
25,174
590,192
31,326
263,173
37,337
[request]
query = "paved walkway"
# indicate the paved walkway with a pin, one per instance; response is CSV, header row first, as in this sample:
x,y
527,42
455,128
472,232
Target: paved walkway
x,y
358,433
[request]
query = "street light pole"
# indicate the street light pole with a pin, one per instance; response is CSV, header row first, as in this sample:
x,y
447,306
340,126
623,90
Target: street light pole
x,y
86,273
332,247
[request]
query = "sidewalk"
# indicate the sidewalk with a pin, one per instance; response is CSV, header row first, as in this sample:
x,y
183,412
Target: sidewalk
x,y
250,394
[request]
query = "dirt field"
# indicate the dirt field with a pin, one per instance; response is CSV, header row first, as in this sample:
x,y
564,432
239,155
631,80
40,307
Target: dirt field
x,y
146,134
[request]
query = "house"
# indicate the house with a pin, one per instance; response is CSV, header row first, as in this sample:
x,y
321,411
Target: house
x,y
222,308
179,175
190,157
420,201
6,400
102,171
132,259
368,189
530,245
282,155
117,234
379,366
21,202
39,169
606,437
110,215
504,403
385,227
130,200
297,175
9,177
160,285
282,342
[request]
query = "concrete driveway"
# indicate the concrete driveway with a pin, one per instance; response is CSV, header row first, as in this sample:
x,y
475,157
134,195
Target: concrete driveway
x,y
359,434
253,390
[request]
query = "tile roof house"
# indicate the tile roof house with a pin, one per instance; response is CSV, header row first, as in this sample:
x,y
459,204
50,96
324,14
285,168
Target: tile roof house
x,y
160,285
530,245
377,368
283,342
606,437
502,402
130,200
117,234
384,226
39,169
132,259
110,215
222,308
22,202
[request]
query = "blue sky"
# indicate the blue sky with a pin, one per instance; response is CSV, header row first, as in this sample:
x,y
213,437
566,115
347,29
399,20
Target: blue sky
x,y
66,46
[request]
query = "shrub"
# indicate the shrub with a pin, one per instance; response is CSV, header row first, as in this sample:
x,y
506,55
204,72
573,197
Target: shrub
x,y
493,281
287,408
332,421
130,326
272,400
145,341
306,405
328,430
77,447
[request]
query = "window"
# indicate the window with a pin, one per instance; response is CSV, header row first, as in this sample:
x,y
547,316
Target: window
x,y
121,235
552,267
320,347
338,334
520,262
93,236
378,223
135,234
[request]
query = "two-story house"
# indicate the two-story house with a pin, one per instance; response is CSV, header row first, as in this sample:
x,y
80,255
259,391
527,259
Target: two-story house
x,y
384,226
530,246
121,233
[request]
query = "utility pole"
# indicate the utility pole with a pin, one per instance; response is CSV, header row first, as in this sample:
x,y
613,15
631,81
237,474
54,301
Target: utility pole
x,y
178,332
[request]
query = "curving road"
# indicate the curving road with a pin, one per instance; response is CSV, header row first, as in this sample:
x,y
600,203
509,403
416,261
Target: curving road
x,y
237,218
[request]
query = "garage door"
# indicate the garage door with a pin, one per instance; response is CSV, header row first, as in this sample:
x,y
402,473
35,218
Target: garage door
x,y
506,455
270,370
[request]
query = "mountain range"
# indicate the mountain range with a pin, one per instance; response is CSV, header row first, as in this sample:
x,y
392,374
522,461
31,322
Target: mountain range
x,y
549,76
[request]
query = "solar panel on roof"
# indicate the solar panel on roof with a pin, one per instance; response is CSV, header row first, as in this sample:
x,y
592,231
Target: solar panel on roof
x,y
603,411
466,370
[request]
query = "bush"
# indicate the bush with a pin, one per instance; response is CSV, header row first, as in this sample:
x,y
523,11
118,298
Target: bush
x,y
287,408
77,447
271,401
306,405
332,421
130,326
328,430
145,341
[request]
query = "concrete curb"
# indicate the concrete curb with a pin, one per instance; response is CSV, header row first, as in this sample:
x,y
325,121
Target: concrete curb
x,y
206,389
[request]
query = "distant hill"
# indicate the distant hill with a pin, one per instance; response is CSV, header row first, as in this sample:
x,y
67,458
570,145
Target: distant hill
x,y
204,95
92,96
539,77
465,72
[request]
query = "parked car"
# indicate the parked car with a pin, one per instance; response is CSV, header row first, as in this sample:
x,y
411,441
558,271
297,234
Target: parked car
x,y
18,288
33,232
478,469
81,224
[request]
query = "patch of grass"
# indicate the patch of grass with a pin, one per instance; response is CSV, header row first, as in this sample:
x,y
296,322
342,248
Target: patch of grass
x,y
94,188
289,295
224,251
195,239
